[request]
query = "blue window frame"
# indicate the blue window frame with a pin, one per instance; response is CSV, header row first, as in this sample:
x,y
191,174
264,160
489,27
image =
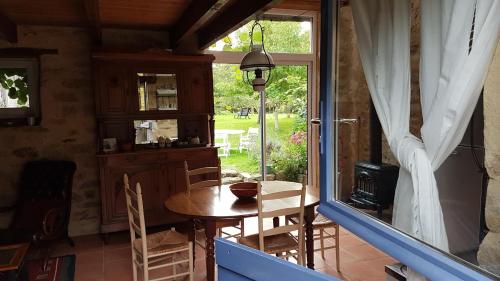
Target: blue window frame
x,y
236,262
430,262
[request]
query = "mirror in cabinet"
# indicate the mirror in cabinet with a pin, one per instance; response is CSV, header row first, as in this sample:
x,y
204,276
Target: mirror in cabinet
x,y
149,131
157,91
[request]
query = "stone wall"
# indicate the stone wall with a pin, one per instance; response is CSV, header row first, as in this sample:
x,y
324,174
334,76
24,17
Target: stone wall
x,y
353,103
489,251
67,130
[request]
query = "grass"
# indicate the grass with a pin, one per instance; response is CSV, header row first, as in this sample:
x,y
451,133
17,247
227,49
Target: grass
x,y
241,161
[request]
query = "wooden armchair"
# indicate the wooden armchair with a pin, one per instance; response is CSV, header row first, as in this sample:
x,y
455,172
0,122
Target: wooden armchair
x,y
43,206
279,240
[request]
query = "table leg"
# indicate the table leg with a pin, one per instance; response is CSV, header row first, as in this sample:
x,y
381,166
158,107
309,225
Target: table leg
x,y
192,237
210,230
309,218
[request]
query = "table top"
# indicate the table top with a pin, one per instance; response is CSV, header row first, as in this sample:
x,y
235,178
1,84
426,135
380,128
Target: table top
x,y
229,132
212,203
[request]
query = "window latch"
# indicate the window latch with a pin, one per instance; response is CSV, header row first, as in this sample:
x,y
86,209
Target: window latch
x,y
347,120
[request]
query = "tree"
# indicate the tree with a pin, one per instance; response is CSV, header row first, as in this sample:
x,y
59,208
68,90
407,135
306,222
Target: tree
x,y
287,86
230,91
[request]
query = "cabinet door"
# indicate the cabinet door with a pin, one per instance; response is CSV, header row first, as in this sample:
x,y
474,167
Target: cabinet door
x,y
113,87
147,176
176,178
196,90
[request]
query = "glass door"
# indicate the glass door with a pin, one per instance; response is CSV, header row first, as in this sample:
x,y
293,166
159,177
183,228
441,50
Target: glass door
x,y
237,123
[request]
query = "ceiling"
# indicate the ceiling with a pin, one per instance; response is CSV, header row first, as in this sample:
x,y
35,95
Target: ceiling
x,y
171,15
138,14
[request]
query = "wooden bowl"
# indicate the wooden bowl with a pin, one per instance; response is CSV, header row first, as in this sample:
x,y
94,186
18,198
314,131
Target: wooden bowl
x,y
244,189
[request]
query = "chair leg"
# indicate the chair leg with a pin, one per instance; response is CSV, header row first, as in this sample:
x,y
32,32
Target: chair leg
x,y
174,269
145,272
242,227
134,266
304,248
322,242
337,247
191,262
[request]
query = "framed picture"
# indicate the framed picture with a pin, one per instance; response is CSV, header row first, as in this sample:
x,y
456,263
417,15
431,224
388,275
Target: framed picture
x,y
109,145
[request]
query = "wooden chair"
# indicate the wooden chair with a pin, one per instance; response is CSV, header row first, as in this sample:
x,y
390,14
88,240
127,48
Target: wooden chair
x,y
320,226
279,240
245,140
206,179
157,250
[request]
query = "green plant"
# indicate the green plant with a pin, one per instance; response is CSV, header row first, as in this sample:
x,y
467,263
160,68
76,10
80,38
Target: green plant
x,y
291,159
15,80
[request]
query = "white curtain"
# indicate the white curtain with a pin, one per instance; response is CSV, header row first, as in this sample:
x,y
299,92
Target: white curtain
x,y
450,82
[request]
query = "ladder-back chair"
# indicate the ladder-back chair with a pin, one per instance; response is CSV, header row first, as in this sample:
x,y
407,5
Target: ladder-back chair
x,y
210,177
156,250
323,228
279,240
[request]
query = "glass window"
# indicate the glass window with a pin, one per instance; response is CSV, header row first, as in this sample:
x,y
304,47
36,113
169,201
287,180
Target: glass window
x,y
366,172
157,91
14,88
148,131
19,91
280,37
237,127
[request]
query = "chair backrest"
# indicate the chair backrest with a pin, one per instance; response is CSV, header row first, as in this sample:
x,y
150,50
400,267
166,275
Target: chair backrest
x,y
244,111
206,174
280,203
45,186
135,210
253,131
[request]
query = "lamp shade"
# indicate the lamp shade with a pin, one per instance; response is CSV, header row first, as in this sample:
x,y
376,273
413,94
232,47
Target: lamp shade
x,y
257,59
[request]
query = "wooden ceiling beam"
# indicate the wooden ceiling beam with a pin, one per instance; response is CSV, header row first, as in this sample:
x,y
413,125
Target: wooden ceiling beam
x,y
94,19
8,28
196,15
239,13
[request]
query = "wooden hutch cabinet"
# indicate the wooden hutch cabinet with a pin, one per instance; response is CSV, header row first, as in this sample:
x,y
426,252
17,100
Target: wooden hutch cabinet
x,y
139,97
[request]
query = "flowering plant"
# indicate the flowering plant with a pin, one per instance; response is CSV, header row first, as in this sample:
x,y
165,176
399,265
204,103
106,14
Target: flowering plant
x,y
298,138
291,158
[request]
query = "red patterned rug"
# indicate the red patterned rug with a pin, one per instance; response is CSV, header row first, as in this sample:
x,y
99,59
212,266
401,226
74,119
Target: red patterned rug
x,y
54,269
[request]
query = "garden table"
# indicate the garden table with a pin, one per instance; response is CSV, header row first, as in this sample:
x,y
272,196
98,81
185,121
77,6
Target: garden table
x,y
213,204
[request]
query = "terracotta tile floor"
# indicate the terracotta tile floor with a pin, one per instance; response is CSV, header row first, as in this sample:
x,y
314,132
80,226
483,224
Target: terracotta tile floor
x,y
97,261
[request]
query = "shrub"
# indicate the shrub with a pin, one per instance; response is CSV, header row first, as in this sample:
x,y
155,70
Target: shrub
x,y
291,159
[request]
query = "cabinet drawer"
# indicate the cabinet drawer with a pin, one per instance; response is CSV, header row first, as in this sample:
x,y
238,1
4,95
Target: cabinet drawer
x,y
136,159
191,155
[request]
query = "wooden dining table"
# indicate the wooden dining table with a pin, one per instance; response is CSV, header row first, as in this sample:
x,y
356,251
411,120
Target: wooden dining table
x,y
213,204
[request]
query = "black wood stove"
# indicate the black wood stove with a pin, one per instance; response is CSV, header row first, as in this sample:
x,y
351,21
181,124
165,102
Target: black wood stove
x,y
375,182
374,186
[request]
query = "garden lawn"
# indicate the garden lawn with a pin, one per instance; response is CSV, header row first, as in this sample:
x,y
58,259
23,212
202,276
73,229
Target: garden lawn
x,y
241,161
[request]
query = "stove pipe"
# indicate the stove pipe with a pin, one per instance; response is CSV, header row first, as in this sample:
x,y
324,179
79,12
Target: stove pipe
x,y
375,136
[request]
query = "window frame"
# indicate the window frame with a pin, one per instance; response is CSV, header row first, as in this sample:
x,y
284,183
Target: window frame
x,y
19,115
427,260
